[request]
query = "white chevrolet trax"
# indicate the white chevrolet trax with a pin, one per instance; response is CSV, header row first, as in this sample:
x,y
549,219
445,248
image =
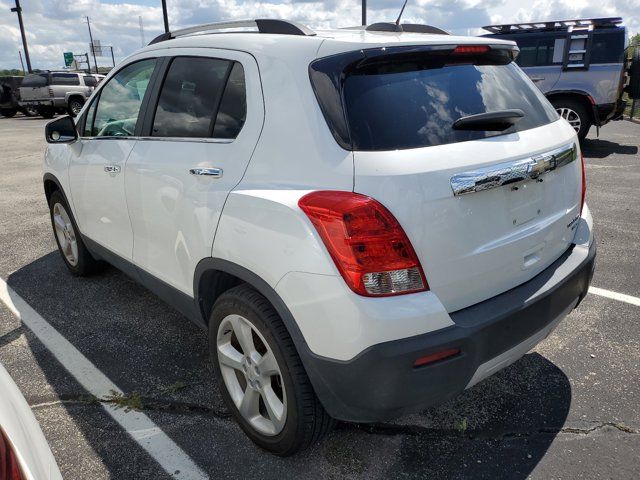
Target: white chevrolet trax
x,y
366,221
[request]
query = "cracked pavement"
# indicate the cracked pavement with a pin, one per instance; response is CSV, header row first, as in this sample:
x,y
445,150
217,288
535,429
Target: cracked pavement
x,y
569,409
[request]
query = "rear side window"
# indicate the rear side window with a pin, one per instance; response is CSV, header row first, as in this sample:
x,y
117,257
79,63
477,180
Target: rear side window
x,y
65,79
608,47
411,101
90,81
191,95
36,80
536,51
233,107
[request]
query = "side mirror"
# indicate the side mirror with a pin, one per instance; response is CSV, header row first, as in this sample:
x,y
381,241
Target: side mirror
x,y
61,130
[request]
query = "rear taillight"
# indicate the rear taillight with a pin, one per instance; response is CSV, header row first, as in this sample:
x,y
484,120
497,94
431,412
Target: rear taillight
x,y
367,244
584,184
51,92
9,467
471,49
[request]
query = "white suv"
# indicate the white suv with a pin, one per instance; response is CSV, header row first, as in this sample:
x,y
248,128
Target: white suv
x,y
366,221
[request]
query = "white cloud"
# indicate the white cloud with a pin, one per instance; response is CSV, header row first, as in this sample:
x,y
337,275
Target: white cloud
x,y
56,26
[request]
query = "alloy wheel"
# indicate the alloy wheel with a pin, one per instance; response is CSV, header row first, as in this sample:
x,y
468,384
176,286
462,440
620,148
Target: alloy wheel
x,y
76,107
65,233
570,116
252,375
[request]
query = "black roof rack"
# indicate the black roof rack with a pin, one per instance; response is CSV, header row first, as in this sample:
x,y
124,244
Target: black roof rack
x,y
554,25
404,27
264,25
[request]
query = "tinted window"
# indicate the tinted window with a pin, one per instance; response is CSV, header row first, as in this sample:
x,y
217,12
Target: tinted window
x,y
120,100
189,97
88,124
528,48
36,80
402,105
538,51
233,107
65,79
607,47
90,81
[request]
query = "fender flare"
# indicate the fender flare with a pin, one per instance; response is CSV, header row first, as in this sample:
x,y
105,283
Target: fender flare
x,y
50,177
582,93
68,95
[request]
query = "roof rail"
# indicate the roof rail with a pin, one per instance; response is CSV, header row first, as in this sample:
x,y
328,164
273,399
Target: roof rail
x,y
554,25
404,27
264,25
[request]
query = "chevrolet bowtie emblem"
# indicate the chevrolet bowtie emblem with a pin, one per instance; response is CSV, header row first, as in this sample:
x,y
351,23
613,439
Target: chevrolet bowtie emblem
x,y
541,165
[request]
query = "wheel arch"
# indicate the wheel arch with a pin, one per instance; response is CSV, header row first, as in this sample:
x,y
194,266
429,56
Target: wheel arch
x,y
52,184
579,95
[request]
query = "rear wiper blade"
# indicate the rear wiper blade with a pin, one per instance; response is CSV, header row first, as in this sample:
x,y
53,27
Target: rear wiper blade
x,y
489,121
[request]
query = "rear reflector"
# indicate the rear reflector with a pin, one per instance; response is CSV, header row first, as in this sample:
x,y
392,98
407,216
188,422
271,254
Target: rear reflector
x,y
367,244
471,49
434,357
9,468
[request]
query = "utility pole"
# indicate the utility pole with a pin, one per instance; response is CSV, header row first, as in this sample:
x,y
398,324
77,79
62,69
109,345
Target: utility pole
x,y
21,62
165,16
18,10
93,50
141,31
112,58
364,12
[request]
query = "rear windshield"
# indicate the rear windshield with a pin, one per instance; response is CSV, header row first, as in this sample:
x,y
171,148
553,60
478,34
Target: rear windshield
x,y
65,79
411,102
36,80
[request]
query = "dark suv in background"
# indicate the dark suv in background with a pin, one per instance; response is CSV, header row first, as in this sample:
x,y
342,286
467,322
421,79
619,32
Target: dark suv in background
x,y
10,97
579,65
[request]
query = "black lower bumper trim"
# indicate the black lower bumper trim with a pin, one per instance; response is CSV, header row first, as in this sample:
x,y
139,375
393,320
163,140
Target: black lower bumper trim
x,y
381,382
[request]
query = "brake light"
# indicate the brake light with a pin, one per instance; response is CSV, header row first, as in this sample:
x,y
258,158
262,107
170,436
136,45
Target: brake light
x,y
434,357
470,49
367,244
51,92
9,468
584,184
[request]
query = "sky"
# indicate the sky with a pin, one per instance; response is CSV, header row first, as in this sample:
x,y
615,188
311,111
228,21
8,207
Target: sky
x,y
57,26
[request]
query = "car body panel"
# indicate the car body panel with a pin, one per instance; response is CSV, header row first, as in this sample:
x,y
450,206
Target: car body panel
x,y
23,431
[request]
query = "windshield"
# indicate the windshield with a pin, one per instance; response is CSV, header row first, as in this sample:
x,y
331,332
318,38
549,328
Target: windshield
x,y
402,103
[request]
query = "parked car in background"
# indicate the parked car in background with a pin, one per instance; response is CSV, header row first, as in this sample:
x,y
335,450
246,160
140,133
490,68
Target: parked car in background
x,y
24,451
57,92
579,65
10,97
366,224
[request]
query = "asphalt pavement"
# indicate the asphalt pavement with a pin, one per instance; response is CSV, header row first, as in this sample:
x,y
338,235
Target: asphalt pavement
x,y
569,409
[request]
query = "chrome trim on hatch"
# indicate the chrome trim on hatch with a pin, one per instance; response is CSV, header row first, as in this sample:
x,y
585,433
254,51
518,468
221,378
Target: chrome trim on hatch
x,y
501,174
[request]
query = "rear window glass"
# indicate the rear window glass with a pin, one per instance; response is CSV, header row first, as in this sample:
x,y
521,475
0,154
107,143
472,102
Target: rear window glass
x,y
36,80
65,79
90,81
608,47
404,105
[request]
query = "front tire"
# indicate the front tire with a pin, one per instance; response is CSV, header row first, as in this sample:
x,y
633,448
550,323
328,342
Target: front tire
x,y
575,113
261,376
75,106
74,253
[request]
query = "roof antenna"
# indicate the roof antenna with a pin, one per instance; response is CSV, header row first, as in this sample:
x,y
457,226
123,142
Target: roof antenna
x,y
401,12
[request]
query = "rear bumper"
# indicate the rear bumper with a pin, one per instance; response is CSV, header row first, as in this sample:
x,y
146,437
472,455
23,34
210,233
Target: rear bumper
x,y
381,382
52,102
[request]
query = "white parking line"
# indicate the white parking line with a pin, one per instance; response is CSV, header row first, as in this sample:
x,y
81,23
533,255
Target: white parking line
x,y
141,428
621,297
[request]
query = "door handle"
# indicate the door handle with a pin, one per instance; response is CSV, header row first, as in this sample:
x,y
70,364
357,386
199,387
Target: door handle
x,y
537,79
209,172
112,168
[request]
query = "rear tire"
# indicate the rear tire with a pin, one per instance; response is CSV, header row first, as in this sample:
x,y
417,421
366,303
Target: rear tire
x,y
46,112
30,111
8,112
576,113
74,253
303,420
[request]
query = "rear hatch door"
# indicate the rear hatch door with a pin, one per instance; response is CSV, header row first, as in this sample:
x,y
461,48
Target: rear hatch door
x,y
485,207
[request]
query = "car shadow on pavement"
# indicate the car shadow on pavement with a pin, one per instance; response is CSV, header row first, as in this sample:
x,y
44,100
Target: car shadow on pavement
x,y
501,428
599,148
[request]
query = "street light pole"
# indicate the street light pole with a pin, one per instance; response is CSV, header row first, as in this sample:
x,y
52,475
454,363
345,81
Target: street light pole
x,y
165,16
93,50
364,12
18,10
21,62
